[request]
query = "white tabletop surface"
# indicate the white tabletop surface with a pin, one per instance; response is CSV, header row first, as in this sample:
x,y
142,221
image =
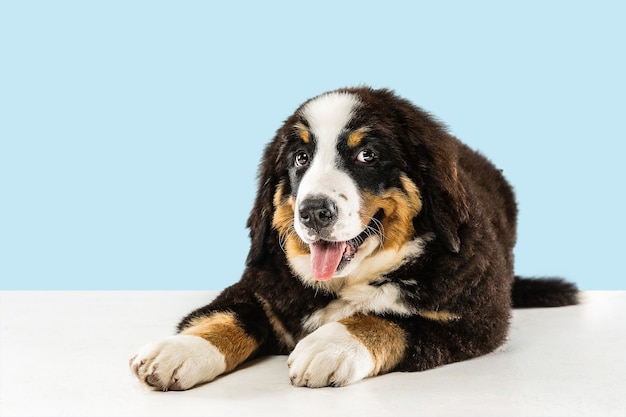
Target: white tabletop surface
x,y
66,354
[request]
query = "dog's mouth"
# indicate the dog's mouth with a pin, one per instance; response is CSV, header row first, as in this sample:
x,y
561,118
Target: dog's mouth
x,y
328,258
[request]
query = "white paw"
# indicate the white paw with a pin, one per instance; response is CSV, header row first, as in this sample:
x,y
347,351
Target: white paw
x,y
330,356
177,363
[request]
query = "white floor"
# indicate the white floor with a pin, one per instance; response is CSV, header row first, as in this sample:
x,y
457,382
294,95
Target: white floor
x,y
66,353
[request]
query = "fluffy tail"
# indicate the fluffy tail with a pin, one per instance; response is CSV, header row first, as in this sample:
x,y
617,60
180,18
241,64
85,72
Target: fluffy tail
x,y
543,292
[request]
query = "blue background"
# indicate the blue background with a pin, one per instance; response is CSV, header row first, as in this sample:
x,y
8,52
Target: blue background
x,y
130,132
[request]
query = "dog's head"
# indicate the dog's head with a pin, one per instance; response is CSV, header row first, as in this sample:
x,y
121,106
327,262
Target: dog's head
x,y
350,180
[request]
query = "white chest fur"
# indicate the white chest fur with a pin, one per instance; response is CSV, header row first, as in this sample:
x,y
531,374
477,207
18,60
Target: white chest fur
x,y
356,295
359,298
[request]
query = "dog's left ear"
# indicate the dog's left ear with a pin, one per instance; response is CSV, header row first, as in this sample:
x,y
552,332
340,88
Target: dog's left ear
x,y
259,221
446,202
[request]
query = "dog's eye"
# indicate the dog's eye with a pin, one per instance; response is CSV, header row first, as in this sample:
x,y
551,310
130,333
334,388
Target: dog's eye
x,y
301,159
367,156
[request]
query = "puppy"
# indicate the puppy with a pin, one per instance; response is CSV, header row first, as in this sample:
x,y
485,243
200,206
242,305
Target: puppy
x,y
379,243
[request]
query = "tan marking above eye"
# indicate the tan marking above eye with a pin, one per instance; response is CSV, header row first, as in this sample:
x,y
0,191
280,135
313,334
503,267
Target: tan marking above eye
x,y
356,137
303,132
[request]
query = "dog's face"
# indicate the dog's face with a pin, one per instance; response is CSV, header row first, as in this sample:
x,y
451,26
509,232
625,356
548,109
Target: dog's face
x,y
347,179
346,201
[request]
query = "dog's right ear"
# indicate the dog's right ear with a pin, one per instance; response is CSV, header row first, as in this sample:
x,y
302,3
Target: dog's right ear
x,y
446,198
260,219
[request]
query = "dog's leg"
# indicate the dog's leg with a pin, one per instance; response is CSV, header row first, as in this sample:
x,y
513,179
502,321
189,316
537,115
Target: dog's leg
x,y
207,347
343,352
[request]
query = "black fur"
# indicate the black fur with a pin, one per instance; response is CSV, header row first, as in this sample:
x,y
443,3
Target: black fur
x,y
467,268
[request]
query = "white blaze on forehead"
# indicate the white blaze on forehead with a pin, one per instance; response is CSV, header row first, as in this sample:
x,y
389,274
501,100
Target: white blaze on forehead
x,y
328,116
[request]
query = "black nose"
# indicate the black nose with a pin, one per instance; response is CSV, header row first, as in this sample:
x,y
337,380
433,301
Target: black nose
x,y
318,213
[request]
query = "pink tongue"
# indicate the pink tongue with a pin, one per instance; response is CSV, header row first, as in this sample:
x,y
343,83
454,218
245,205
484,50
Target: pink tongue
x,y
325,258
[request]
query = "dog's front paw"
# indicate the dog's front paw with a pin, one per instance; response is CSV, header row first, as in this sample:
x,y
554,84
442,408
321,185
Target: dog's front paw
x,y
330,356
177,363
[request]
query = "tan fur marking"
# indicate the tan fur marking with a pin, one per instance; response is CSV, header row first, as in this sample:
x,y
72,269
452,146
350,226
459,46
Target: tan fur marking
x,y
442,315
303,132
283,210
294,246
355,138
225,333
399,207
283,335
385,341
283,220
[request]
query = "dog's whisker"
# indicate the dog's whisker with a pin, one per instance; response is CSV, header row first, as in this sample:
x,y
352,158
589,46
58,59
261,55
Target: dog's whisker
x,y
376,230
291,231
282,239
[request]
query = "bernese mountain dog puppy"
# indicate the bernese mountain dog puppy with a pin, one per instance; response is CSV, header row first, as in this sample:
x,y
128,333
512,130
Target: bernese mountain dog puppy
x,y
379,243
